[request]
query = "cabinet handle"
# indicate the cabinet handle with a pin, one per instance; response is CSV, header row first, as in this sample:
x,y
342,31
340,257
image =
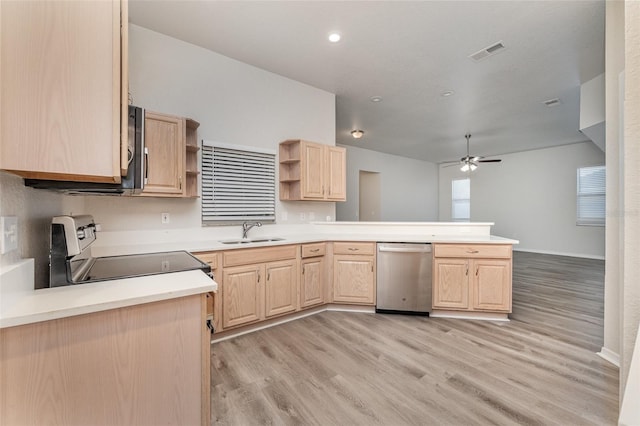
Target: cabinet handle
x,y
353,249
268,276
303,269
258,272
472,251
467,271
146,164
314,250
477,268
180,181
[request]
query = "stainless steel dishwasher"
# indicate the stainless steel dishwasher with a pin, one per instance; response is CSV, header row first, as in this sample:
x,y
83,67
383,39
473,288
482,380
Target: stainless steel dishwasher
x,y
404,278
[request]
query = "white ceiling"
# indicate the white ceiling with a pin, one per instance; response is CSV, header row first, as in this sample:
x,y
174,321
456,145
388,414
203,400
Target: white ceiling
x,y
409,53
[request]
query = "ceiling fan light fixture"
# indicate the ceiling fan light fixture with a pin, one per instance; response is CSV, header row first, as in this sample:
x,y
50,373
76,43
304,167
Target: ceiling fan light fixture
x,y
357,134
468,167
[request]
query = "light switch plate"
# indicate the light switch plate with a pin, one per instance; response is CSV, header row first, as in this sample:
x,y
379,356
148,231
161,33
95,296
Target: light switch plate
x,y
9,237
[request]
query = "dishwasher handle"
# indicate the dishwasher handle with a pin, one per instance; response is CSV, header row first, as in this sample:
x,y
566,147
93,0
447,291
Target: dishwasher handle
x,y
422,249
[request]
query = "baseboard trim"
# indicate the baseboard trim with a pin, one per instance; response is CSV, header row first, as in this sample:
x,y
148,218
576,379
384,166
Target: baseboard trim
x,y
558,253
485,316
229,334
610,356
352,308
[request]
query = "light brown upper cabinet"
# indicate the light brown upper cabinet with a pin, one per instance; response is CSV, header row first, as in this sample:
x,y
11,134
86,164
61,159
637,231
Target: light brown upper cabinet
x,y
63,94
311,171
171,166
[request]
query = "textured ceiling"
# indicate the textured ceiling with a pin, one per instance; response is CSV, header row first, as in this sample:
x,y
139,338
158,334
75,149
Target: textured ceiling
x,y
409,53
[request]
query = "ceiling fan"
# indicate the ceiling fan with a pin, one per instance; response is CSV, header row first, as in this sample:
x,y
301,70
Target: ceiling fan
x,y
469,163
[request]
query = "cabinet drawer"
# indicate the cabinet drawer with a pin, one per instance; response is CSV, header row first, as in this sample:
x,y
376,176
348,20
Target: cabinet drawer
x,y
258,255
312,250
472,250
211,258
354,248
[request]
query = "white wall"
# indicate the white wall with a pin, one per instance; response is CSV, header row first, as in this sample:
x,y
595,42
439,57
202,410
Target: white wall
x,y
233,102
631,189
613,273
34,209
531,197
409,188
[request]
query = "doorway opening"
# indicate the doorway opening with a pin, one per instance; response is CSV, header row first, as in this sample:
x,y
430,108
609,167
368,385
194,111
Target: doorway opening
x,y
369,203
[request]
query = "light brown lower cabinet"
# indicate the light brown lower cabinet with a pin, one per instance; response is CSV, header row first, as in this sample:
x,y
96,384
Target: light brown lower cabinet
x,y
313,276
143,364
258,284
469,277
354,273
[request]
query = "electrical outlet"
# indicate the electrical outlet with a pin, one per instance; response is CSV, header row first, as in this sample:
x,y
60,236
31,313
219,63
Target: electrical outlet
x,y
166,218
9,238
303,216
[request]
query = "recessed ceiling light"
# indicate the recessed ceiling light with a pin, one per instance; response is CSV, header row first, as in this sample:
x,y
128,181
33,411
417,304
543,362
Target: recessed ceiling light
x,y
376,99
446,93
334,37
357,134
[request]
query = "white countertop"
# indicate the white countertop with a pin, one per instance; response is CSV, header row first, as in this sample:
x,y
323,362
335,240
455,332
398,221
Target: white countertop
x,y
22,305
193,245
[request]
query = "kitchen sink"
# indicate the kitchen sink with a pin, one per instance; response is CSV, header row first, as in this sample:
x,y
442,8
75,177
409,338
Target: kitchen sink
x,y
252,240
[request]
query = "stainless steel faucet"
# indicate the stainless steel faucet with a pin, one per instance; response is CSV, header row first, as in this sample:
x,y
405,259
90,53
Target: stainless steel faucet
x,y
248,225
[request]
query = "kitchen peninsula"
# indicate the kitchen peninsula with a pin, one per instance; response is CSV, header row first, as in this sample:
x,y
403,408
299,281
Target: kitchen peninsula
x,y
292,271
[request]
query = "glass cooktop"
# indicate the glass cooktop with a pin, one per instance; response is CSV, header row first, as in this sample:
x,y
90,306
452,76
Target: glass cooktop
x,y
136,265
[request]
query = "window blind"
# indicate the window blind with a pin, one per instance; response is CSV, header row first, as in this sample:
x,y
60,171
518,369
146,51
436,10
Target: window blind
x,y
238,183
460,200
591,197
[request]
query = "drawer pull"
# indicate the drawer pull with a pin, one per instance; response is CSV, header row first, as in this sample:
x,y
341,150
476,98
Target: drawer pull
x,y
353,249
473,251
314,250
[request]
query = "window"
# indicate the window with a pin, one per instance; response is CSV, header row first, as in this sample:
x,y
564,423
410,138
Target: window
x,y
591,196
238,183
461,200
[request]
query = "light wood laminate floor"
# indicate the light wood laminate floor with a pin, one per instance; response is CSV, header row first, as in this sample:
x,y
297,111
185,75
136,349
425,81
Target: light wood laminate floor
x,y
338,368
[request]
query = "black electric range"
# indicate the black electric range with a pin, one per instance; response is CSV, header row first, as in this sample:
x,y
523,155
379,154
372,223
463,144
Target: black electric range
x,y
71,261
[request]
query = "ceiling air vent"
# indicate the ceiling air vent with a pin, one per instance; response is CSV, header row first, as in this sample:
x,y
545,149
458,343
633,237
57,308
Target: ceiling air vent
x,y
552,102
488,51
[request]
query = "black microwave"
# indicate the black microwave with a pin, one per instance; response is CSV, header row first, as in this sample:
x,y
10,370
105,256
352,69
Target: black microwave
x,y
132,183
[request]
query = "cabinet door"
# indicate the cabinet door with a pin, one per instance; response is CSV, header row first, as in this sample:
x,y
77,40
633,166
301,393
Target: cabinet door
x,y
353,279
491,285
165,142
312,171
281,290
336,174
242,295
60,90
311,286
451,283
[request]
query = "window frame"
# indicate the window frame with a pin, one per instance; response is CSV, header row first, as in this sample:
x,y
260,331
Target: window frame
x,y
601,195
454,200
245,189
